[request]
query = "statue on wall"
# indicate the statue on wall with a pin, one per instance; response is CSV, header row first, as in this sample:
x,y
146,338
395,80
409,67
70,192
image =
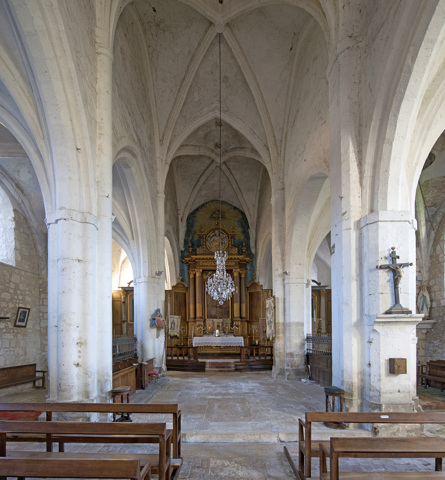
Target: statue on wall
x,y
157,320
424,301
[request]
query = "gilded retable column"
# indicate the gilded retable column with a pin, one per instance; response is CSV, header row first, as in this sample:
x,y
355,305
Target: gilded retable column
x,y
236,295
192,299
243,295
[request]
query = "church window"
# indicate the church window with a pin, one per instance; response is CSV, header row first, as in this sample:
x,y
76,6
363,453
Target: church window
x,y
7,225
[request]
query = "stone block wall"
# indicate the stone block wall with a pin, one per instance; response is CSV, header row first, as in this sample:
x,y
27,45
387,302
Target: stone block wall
x,y
435,338
23,285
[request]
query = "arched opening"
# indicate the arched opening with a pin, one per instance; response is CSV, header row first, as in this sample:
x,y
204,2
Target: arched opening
x,y
7,225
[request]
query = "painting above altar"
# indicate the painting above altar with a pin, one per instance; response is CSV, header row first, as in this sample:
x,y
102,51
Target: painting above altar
x,y
212,308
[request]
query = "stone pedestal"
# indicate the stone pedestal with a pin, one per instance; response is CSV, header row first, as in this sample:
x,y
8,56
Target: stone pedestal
x,y
393,337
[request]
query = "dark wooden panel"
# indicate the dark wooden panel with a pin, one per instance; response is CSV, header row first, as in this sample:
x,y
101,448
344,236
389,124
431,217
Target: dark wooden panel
x,y
255,303
321,368
181,305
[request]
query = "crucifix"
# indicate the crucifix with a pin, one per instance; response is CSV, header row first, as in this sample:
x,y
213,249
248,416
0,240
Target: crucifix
x,y
396,269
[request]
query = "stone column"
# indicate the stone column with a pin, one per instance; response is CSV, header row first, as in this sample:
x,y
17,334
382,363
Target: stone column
x,y
346,209
297,303
278,228
72,315
151,340
104,162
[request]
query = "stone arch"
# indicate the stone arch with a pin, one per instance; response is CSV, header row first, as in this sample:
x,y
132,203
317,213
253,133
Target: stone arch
x,y
409,106
264,263
308,227
310,222
120,258
171,261
135,225
63,121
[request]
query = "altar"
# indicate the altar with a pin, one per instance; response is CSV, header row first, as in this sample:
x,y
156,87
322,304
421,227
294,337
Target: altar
x,y
222,341
222,345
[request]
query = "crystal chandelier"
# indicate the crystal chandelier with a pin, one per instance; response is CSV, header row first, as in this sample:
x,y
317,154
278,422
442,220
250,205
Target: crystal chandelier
x,y
220,285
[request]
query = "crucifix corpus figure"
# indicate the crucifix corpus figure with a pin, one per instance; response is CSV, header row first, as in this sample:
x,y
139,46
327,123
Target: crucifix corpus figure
x,y
396,269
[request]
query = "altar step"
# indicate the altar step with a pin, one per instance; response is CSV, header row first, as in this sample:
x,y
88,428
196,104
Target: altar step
x,y
220,365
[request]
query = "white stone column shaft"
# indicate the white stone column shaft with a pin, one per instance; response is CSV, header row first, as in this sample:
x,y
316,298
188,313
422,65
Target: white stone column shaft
x,y
279,368
104,164
296,303
72,316
344,111
151,341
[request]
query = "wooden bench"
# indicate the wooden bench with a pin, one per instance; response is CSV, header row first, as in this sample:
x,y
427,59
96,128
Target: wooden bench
x,y
63,409
73,468
11,376
433,375
92,432
308,447
381,447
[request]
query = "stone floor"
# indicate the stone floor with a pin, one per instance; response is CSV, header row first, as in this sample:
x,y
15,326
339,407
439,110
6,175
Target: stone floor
x,y
235,425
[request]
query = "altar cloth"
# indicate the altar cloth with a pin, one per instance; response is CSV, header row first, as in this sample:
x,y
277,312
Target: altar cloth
x,y
211,341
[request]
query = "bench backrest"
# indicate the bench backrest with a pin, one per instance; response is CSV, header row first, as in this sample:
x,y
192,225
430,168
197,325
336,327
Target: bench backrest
x,y
143,408
436,367
68,468
84,428
149,408
59,431
376,417
19,371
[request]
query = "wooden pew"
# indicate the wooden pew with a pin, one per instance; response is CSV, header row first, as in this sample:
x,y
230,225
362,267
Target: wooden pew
x,y
92,432
167,409
73,468
308,447
381,447
434,374
19,374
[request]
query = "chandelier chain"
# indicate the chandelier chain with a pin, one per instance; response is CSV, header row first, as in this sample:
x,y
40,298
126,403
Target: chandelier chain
x,y
220,285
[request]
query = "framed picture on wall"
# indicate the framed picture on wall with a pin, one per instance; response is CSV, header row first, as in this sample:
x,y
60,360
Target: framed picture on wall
x,y
22,317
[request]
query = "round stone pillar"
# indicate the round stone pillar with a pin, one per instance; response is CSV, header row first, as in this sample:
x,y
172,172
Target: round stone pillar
x,y
72,307
151,340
